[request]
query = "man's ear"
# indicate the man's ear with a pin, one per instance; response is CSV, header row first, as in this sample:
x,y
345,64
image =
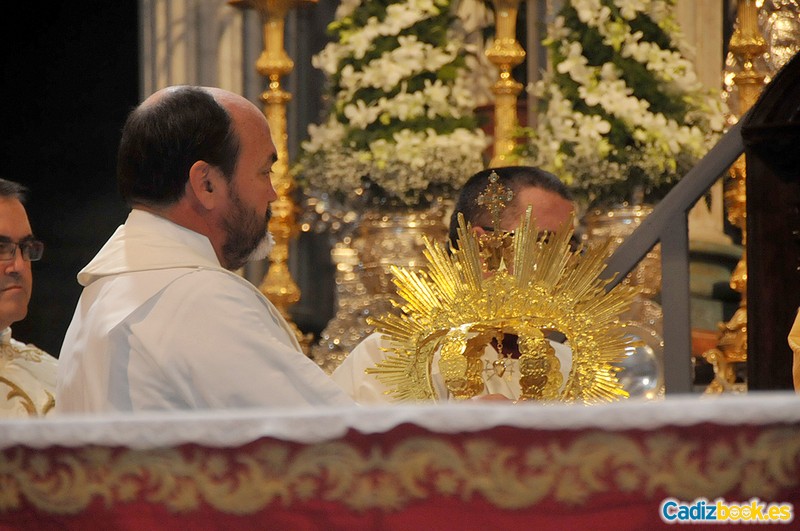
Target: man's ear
x,y
204,184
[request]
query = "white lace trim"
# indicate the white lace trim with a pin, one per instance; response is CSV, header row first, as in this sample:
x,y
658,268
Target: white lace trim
x,y
232,428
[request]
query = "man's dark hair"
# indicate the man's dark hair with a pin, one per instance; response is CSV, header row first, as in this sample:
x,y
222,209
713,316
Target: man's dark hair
x,y
514,177
13,190
161,141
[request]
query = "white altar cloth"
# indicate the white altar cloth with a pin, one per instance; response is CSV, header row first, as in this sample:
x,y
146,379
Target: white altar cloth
x,y
227,428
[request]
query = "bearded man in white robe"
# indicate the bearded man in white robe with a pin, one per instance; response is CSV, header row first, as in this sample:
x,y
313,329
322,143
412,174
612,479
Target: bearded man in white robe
x,y
163,322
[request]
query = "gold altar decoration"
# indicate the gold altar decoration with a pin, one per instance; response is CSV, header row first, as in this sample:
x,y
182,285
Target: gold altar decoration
x,y
348,326
779,21
451,307
505,53
273,63
747,45
392,236
573,473
395,237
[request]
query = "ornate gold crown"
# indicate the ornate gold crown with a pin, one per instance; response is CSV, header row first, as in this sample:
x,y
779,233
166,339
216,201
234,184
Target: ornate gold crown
x,y
451,307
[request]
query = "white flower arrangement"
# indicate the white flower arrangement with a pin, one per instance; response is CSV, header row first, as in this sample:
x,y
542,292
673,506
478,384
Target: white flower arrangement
x,y
622,108
405,80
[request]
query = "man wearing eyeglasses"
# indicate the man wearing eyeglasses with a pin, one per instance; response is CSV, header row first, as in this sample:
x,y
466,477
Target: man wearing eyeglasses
x,y
27,374
552,206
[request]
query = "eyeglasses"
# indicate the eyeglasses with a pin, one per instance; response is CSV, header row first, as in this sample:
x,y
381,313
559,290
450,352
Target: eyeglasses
x,y
31,250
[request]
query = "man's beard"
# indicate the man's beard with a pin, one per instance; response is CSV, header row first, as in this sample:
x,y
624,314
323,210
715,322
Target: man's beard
x,y
248,238
263,249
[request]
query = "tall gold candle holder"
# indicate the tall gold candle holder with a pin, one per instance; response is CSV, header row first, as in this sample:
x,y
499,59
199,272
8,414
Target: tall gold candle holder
x,y
505,53
273,63
747,43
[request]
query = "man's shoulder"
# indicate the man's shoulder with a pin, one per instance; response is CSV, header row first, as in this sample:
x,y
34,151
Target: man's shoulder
x,y
220,292
200,280
110,300
213,282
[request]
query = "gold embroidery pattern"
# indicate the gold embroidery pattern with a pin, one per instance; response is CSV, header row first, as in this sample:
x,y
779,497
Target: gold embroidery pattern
x,y
28,353
50,404
245,481
17,392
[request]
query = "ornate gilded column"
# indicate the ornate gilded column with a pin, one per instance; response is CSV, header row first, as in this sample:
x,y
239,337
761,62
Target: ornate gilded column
x,y
728,358
505,53
278,284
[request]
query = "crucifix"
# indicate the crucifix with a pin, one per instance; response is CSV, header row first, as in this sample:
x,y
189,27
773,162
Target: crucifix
x,y
495,198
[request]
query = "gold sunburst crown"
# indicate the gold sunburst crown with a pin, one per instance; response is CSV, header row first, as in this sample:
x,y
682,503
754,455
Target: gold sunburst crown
x,y
451,310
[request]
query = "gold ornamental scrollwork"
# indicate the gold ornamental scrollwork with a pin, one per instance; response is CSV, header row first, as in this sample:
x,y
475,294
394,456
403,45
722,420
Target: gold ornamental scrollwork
x,y
268,474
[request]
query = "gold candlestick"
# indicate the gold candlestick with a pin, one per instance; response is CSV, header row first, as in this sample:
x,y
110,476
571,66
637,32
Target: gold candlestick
x,y
506,53
747,44
273,63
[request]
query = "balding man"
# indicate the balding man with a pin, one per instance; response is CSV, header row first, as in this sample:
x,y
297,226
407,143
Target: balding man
x,y
552,207
163,322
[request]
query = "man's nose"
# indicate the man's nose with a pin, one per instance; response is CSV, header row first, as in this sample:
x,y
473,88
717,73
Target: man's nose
x,y
15,264
273,194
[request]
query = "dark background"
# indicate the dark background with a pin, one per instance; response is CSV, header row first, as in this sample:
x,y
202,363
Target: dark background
x,y
70,76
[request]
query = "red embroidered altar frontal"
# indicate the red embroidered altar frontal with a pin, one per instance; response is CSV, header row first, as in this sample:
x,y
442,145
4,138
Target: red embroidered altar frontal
x,y
450,466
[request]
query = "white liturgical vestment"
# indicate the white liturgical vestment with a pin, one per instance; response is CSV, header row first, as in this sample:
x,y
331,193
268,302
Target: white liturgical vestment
x,y
27,379
794,344
367,389
160,325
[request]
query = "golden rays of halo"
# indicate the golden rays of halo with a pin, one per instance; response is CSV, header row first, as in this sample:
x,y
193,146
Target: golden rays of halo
x,y
451,308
